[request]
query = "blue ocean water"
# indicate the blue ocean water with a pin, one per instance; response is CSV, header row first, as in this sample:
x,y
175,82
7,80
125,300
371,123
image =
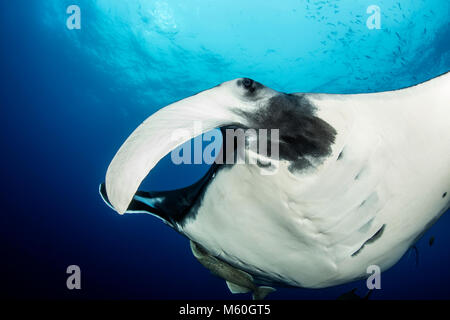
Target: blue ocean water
x,y
69,98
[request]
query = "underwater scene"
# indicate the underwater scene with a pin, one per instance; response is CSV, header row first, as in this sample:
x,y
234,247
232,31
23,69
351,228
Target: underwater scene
x,y
78,77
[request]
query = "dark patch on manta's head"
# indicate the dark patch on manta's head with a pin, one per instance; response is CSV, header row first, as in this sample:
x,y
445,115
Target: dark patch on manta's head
x,y
444,195
302,134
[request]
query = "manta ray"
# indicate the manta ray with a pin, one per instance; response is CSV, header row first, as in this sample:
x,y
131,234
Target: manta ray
x,y
359,179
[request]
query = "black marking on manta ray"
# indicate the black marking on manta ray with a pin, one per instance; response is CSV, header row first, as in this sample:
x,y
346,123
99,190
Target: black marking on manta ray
x,y
263,165
341,155
250,86
372,239
302,134
360,173
445,194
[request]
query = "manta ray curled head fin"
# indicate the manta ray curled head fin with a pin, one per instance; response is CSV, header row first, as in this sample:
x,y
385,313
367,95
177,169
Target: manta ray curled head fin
x,y
241,103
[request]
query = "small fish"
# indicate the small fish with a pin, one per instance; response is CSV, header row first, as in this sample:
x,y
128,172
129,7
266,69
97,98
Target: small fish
x,y
238,281
431,241
351,295
416,251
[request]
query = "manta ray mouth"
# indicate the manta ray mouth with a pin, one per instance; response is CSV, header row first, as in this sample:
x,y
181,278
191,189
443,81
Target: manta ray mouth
x,y
159,134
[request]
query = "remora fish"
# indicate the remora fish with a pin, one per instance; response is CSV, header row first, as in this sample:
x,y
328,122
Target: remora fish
x,y
237,280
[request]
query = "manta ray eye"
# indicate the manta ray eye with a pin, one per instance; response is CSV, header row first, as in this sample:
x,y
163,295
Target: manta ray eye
x,y
247,83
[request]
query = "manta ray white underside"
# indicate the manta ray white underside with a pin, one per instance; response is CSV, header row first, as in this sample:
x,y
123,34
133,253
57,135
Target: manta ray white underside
x,y
377,176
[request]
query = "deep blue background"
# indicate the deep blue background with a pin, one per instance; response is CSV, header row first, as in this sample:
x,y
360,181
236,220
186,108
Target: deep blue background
x,y
69,99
